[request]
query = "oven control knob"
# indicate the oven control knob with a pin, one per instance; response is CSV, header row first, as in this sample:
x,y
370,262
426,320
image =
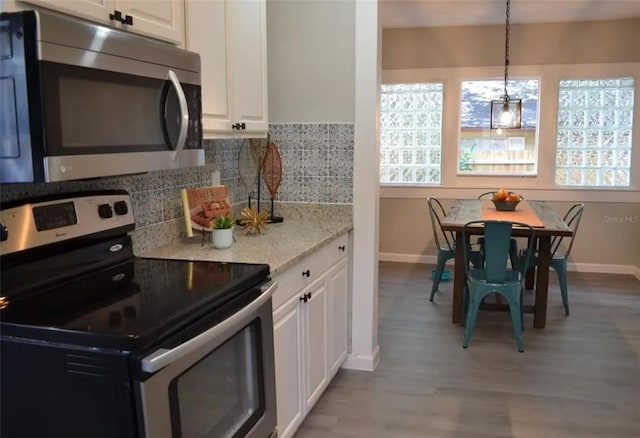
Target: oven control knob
x,y
105,211
121,208
4,233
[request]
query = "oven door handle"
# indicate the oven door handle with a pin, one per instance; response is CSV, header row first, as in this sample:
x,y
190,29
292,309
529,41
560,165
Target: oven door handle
x,y
184,112
163,357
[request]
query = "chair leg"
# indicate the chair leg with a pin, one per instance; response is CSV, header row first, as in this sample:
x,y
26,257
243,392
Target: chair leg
x,y
513,254
465,304
522,309
472,315
530,277
560,267
439,271
516,320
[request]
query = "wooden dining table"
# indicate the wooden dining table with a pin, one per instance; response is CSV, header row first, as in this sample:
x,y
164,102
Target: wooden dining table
x,y
548,224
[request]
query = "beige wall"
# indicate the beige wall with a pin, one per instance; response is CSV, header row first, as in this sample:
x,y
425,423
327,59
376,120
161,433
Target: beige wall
x,y
599,241
530,44
607,233
311,55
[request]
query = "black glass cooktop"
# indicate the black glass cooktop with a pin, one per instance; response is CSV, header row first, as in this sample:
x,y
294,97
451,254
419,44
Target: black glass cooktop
x,y
128,305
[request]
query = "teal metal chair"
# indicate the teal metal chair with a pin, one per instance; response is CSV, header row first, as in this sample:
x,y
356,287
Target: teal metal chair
x,y
445,242
559,255
513,249
494,277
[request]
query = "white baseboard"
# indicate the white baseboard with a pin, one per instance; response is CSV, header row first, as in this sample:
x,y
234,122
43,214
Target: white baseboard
x,y
572,267
409,258
601,268
363,362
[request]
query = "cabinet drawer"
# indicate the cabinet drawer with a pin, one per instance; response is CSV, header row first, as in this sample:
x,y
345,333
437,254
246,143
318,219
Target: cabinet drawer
x,y
294,279
290,282
339,248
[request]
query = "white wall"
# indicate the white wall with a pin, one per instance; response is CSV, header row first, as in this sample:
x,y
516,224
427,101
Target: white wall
x,y
311,57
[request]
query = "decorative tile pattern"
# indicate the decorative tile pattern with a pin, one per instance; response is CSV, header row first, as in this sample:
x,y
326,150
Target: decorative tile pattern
x,y
314,156
595,125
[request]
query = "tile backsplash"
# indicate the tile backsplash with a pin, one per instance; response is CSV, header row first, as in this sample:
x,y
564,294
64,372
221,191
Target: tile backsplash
x,y
317,163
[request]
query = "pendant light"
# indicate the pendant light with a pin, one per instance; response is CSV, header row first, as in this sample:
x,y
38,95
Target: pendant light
x,y
506,112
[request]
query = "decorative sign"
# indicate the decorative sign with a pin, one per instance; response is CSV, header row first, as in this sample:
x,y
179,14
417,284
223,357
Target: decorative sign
x,y
202,205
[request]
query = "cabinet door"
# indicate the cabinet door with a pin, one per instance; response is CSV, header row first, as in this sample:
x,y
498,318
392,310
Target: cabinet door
x,y
207,35
163,19
338,315
287,336
97,10
247,42
315,330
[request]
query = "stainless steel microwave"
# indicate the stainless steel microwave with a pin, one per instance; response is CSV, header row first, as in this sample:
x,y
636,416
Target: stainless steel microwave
x,y
79,100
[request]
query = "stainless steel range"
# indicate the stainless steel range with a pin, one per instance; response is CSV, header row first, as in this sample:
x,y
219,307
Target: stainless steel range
x,y
96,342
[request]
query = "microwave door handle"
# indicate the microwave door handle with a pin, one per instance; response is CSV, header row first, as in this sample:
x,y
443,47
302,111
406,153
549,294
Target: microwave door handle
x,y
184,113
163,357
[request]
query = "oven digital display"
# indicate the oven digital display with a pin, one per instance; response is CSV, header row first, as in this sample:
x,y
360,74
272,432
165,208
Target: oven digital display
x,y
54,216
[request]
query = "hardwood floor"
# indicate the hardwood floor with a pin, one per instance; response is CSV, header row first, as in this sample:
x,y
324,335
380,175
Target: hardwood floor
x,y
578,377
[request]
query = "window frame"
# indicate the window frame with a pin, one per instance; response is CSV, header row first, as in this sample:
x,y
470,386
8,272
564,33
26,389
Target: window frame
x,y
417,184
532,173
633,134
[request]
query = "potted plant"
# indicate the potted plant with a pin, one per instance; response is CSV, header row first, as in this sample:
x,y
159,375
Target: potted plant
x,y
222,234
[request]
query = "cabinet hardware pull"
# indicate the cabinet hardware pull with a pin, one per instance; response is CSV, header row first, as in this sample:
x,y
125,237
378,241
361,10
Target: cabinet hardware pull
x,y
239,126
341,248
306,273
303,298
309,296
117,16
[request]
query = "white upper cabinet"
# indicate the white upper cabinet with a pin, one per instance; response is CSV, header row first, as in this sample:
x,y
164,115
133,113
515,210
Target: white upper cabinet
x,y
161,19
97,10
230,37
207,35
246,27
157,18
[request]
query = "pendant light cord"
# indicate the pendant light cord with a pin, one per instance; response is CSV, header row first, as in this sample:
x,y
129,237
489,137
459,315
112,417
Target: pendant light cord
x,y
506,52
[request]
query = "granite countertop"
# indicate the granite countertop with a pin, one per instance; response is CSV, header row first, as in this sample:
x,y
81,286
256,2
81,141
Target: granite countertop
x,y
305,229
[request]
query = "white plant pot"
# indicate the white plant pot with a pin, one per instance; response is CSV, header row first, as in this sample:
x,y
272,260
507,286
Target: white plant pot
x,y
222,239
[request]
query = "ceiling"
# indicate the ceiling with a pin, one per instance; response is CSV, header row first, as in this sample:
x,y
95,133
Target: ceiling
x,y
424,13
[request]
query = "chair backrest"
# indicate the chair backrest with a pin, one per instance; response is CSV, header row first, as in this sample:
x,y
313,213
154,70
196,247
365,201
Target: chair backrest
x,y
488,195
436,212
497,242
572,219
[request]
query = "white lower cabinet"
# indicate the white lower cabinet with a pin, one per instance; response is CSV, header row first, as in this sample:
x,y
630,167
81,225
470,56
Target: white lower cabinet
x,y
310,331
315,341
339,313
287,334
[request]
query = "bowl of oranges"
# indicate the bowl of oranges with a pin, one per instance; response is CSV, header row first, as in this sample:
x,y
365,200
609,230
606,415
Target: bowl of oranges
x,y
504,200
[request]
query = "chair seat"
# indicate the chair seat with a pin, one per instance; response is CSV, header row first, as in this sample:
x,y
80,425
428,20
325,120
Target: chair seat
x,y
479,276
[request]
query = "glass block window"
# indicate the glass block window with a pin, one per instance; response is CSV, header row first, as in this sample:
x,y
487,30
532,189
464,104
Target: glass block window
x,y
485,151
594,130
411,133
